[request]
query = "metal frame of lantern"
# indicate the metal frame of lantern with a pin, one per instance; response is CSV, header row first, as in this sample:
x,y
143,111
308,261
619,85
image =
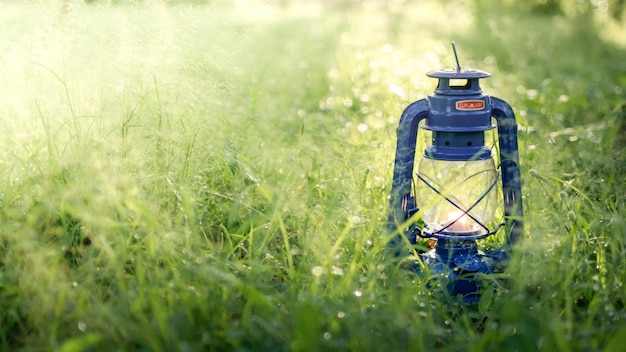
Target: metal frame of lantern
x,y
458,117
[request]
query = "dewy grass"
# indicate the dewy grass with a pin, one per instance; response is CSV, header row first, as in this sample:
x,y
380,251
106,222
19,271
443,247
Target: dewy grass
x,y
216,177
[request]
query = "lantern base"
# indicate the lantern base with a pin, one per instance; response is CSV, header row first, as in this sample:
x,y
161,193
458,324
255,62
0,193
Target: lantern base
x,y
462,266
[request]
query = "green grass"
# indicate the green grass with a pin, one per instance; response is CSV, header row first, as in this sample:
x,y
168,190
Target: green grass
x,y
216,177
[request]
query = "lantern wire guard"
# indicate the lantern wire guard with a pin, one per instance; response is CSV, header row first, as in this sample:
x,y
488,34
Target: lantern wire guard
x,y
449,235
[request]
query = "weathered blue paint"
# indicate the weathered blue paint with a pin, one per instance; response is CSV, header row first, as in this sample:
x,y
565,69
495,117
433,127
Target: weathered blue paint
x,y
403,166
458,116
509,163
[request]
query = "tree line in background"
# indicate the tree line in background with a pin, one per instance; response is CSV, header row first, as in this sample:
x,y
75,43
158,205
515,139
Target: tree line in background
x,y
569,8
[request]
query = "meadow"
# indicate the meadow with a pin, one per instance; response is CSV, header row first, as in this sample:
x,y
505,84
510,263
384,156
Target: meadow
x,y
215,177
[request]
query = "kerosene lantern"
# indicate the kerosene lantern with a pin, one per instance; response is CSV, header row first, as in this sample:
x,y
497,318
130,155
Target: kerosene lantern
x,y
453,198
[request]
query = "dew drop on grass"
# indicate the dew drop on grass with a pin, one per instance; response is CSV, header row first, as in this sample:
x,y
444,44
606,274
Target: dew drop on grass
x,y
397,90
358,293
337,271
571,215
317,270
355,219
362,128
327,335
341,315
82,326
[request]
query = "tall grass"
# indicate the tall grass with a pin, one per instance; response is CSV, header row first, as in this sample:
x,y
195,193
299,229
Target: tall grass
x,y
217,178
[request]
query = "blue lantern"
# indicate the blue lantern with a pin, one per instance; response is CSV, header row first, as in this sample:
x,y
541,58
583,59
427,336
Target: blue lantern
x,y
453,198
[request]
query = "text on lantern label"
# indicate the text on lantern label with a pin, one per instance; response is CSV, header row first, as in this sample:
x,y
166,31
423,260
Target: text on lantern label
x,y
470,105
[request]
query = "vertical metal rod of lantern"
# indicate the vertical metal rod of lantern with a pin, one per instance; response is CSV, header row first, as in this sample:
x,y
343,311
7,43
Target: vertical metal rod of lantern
x,y
456,253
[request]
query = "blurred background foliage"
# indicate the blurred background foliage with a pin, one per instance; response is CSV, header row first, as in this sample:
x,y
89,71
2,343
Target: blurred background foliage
x,y
569,8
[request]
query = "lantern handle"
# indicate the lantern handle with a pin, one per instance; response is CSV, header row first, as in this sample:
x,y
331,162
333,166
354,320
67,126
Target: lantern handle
x,y
407,132
509,164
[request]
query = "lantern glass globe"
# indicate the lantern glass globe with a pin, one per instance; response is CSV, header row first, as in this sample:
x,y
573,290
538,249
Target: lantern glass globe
x,y
462,182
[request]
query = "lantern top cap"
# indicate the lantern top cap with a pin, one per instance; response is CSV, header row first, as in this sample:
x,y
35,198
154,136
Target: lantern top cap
x,y
463,73
458,73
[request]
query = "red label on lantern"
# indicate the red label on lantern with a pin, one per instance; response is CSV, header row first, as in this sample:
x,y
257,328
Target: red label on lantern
x,y
470,105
